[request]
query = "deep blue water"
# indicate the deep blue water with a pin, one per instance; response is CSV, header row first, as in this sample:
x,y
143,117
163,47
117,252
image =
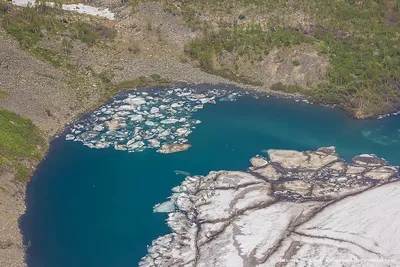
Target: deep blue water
x,y
93,208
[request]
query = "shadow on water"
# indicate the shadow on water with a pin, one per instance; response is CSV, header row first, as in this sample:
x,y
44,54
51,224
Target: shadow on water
x,y
93,208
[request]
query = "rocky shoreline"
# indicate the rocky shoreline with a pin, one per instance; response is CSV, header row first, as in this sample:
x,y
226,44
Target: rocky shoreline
x,y
293,208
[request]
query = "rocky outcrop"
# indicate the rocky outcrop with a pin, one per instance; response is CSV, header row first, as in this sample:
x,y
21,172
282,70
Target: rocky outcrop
x,y
297,209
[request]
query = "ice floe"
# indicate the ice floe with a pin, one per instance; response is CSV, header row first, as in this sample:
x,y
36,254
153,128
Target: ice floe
x,y
316,213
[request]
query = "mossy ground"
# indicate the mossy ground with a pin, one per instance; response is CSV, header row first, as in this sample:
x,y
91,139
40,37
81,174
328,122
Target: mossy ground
x,y
3,95
21,144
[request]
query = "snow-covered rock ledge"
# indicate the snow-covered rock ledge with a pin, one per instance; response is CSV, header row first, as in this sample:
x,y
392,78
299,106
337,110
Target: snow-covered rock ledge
x,y
298,209
80,8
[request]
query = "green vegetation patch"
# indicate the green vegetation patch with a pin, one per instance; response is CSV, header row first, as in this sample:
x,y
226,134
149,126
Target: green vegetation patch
x,y
3,94
296,63
360,38
250,41
291,89
364,49
32,26
21,143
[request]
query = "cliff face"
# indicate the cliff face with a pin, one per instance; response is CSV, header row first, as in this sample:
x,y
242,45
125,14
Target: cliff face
x,y
307,208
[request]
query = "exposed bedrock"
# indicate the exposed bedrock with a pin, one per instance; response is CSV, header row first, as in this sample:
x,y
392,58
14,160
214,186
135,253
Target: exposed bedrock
x,y
295,209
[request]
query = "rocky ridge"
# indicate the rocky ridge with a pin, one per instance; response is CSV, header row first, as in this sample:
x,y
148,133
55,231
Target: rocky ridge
x,y
308,208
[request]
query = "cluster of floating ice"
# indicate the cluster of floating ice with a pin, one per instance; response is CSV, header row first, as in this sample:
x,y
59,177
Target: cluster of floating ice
x,y
138,120
387,115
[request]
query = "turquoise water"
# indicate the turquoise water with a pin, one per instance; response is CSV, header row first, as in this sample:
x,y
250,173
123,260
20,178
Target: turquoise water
x,y
93,208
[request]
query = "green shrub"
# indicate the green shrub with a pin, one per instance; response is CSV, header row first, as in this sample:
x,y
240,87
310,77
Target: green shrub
x,y
3,94
291,89
296,63
155,76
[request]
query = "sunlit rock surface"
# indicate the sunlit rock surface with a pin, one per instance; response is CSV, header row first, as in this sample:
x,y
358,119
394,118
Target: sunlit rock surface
x,y
295,209
154,119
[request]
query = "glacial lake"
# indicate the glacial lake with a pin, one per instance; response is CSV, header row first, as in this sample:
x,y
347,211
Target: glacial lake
x,y
94,207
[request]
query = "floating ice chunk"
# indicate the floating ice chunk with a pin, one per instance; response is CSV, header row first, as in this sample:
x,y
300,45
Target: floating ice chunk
x,y
184,94
101,145
136,117
69,137
119,147
88,144
169,121
154,143
89,135
182,173
205,100
123,114
135,101
165,133
182,140
112,124
176,105
173,148
98,128
159,115
136,145
150,123
119,134
130,142
182,120
177,189
154,110
167,207
182,132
